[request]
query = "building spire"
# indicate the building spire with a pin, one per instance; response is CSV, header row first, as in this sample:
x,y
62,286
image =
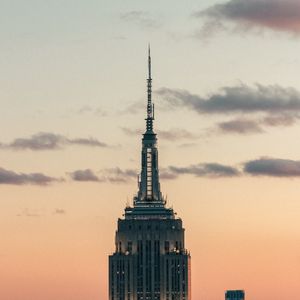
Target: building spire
x,y
149,186
149,61
150,106
149,200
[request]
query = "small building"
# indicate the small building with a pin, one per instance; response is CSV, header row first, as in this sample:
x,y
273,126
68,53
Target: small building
x,y
235,295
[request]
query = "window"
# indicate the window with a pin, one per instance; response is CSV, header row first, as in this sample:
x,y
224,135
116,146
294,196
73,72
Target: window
x,y
167,246
149,173
129,247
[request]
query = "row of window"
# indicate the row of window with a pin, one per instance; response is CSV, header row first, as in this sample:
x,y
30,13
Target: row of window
x,y
178,246
148,227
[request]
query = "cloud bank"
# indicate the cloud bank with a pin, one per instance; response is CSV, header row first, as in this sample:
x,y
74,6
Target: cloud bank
x,y
205,170
268,167
13,178
244,15
141,18
273,167
236,99
270,105
50,141
112,175
240,126
85,175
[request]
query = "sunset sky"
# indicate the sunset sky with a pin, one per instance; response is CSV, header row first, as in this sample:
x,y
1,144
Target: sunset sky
x,y
73,93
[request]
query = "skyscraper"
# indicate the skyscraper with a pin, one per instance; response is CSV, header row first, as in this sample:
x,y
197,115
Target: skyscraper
x,y
235,295
150,260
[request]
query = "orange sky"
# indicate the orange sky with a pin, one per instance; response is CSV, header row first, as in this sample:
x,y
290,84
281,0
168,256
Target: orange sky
x,y
74,73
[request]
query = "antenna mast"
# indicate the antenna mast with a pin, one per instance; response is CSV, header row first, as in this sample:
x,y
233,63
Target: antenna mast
x,y
150,107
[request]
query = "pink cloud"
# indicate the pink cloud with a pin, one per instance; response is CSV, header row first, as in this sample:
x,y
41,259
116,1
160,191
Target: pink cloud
x,y
276,15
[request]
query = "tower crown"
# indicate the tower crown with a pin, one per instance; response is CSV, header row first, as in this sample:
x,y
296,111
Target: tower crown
x,y
149,200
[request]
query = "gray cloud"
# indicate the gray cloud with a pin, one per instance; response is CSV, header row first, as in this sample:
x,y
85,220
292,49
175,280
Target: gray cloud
x,y
188,145
85,175
269,167
273,167
133,108
140,18
13,178
59,211
117,175
279,106
29,213
237,99
166,174
87,142
176,134
132,132
206,170
240,126
50,141
113,175
85,109
280,120
245,126
275,15
92,110
39,141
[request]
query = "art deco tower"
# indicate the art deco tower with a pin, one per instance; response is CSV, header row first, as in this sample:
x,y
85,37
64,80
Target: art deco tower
x,y
150,261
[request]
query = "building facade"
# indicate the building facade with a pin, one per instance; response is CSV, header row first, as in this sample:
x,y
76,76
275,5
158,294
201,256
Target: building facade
x,y
150,261
235,295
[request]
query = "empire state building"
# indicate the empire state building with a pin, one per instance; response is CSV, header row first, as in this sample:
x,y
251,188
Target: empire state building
x,y
150,261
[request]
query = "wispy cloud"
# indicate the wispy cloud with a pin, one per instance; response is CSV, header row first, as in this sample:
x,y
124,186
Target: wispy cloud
x,y
50,141
117,175
39,141
132,132
284,120
245,15
13,178
85,175
206,170
166,174
26,212
141,18
59,211
247,126
86,142
112,175
97,111
176,134
133,108
188,145
273,167
240,126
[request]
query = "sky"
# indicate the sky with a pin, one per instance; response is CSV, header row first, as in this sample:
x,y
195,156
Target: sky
x,y
73,95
